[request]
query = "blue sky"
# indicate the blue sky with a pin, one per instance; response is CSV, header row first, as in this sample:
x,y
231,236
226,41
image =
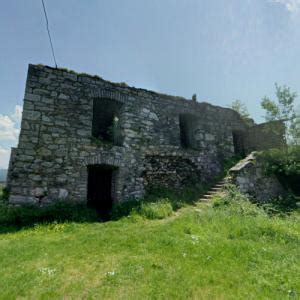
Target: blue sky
x,y
220,49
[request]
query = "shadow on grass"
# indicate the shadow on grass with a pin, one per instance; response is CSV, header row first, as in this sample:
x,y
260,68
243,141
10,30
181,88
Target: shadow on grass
x,y
13,218
156,194
157,203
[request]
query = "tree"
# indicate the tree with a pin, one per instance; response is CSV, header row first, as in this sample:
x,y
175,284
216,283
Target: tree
x,y
283,110
241,108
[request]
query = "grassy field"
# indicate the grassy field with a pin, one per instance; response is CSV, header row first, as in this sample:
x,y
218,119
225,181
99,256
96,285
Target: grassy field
x,y
221,251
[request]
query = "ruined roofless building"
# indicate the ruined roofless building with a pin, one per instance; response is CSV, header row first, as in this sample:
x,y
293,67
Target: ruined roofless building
x,y
89,140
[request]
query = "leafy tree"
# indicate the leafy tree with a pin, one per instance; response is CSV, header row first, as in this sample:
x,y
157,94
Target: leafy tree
x,y
241,108
283,109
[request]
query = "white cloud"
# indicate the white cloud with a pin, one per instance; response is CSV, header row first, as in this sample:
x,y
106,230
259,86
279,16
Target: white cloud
x,y
4,158
9,126
9,133
17,115
293,6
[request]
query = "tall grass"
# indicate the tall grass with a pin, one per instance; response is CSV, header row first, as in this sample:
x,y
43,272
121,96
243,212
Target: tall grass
x,y
232,249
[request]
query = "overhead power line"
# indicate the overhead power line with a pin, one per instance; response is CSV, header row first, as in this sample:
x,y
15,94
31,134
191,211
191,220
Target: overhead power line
x,y
49,35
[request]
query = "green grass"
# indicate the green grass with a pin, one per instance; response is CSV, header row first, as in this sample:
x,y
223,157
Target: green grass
x,y
229,250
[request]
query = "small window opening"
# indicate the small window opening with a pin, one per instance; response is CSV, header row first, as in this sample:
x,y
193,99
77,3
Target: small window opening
x,y
101,189
106,121
238,142
186,125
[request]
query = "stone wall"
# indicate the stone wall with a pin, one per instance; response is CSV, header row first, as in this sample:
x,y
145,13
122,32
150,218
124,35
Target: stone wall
x,y
249,176
265,136
56,144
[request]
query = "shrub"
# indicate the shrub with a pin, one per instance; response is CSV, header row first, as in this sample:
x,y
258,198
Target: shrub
x,y
236,203
159,202
155,210
178,198
242,204
285,165
229,163
4,194
282,204
123,209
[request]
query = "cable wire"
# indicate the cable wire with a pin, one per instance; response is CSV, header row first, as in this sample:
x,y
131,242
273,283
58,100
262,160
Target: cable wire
x,y
47,25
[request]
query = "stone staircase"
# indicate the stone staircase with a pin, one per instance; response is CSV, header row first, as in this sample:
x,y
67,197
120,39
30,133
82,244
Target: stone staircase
x,y
218,187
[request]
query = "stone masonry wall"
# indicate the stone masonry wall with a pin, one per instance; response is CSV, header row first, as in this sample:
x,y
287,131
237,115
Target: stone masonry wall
x,y
56,145
265,136
251,179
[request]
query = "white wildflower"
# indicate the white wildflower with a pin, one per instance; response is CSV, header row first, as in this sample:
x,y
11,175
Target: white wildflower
x,y
47,271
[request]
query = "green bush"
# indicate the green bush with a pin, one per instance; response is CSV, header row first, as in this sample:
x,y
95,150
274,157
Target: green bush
x,y
229,163
4,194
124,209
158,208
233,202
178,198
285,165
155,210
241,204
234,199
282,205
158,202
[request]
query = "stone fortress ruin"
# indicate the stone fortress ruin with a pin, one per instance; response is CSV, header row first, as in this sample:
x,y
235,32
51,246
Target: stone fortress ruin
x,y
89,140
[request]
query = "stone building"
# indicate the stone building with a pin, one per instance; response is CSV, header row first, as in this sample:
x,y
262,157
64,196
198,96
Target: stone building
x,y
86,139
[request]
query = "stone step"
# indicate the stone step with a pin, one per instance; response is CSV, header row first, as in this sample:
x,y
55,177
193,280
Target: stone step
x,y
219,185
216,188
204,200
213,190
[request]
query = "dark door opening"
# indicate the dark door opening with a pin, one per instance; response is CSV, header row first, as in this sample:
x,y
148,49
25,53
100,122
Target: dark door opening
x,y
187,128
238,143
100,190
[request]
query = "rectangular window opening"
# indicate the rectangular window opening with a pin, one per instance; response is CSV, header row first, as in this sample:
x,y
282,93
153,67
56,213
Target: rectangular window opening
x,y
238,139
106,121
186,125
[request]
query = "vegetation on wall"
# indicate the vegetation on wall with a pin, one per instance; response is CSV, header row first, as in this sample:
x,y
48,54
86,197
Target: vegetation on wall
x,y
113,135
285,164
241,108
